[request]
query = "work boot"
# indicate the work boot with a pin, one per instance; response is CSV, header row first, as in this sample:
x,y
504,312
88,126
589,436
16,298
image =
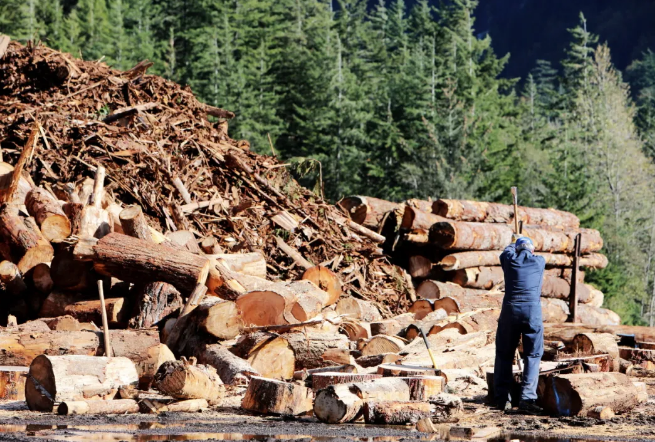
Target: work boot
x,y
504,406
530,407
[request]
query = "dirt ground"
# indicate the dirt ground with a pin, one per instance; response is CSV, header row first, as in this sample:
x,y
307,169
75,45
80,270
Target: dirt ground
x,y
230,423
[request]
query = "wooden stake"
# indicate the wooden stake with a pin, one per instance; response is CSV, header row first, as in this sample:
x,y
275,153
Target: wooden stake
x,y
25,156
573,298
515,197
105,325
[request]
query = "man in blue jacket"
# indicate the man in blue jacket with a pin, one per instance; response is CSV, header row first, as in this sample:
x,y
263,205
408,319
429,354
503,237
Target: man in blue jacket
x,y
520,318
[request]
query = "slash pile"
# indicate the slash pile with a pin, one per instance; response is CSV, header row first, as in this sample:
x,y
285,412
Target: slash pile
x,y
125,204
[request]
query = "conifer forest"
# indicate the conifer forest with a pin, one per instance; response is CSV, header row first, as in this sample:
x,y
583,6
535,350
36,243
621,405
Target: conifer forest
x,y
401,100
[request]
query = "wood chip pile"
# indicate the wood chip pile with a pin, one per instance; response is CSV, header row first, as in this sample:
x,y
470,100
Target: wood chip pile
x,y
126,206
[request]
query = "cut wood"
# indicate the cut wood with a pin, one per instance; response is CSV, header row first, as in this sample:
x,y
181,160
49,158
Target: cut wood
x,y
55,304
581,394
95,221
41,278
68,273
588,344
143,348
479,277
188,406
118,311
326,280
419,266
395,412
341,356
270,306
309,346
22,243
366,210
155,302
184,240
11,185
389,327
182,322
602,413
417,219
269,354
588,314
436,290
324,380
49,216
355,330
23,187
12,279
269,396
404,371
252,264
311,300
293,253
358,309
134,223
210,246
20,348
116,406
375,360
12,383
55,379
484,320
285,220
382,344
183,380
560,288
68,323
337,404
422,388
136,260
479,211
554,310
480,236
463,260
232,369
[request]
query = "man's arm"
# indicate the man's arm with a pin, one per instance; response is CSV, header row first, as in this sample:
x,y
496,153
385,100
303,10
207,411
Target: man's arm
x,y
508,254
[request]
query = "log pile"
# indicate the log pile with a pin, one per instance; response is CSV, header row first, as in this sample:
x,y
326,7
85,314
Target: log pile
x,y
219,273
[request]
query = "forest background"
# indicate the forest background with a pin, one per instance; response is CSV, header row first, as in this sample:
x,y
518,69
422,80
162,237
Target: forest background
x,y
409,99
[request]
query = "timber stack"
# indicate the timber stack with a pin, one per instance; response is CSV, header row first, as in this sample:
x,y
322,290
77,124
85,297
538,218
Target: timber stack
x,y
140,243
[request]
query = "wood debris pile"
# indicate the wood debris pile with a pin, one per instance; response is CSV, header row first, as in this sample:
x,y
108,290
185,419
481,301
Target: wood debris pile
x,y
151,263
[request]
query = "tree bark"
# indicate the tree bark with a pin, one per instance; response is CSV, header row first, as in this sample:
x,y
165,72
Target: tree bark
x,y
12,383
396,412
436,290
232,369
463,260
155,301
218,318
68,273
581,394
422,388
355,330
480,236
324,380
48,214
22,242
417,219
388,327
182,380
462,210
269,396
485,320
210,246
382,344
55,379
134,223
479,277
354,308
116,406
554,310
118,311
337,404
326,280
135,260
269,354
308,347
419,266
20,348
55,304
22,189
12,279
41,278
375,360
588,344
367,211
591,315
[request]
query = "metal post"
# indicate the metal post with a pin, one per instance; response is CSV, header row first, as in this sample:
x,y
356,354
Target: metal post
x,y
573,297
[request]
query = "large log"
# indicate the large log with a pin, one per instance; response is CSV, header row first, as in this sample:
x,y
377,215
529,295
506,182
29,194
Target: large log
x,y
588,314
23,184
134,223
21,240
396,412
218,318
484,277
269,396
269,354
12,279
141,347
55,304
326,280
417,219
436,290
155,301
463,260
95,222
358,309
484,320
183,240
232,369
580,394
324,380
116,406
309,346
382,344
41,278
183,380
419,266
55,379
589,344
554,310
252,264
48,214
367,211
118,311
21,347
560,288
135,260
480,236
68,273
12,383
462,210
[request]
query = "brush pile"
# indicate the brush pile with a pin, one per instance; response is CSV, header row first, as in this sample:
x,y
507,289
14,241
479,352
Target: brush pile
x,y
125,205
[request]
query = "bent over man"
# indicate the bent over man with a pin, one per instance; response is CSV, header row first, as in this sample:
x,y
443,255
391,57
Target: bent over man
x,y
520,317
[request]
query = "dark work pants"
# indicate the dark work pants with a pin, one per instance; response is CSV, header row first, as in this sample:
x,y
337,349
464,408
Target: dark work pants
x,y
518,320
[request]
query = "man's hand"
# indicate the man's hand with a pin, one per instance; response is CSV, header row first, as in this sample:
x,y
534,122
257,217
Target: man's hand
x,y
515,237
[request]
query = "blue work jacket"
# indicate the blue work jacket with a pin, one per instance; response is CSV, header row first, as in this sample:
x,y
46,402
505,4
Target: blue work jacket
x,y
524,275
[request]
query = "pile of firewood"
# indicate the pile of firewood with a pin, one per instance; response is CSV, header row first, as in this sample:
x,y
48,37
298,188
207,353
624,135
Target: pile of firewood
x,y
451,248
150,263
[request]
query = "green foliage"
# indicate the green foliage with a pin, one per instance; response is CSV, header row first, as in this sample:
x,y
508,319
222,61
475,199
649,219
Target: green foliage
x,y
400,99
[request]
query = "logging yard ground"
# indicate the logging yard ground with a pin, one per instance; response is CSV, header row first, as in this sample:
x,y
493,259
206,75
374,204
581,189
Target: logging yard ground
x,y
231,423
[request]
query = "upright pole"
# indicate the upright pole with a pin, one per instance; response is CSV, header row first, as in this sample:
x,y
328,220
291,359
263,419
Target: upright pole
x,y
515,197
105,324
573,297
